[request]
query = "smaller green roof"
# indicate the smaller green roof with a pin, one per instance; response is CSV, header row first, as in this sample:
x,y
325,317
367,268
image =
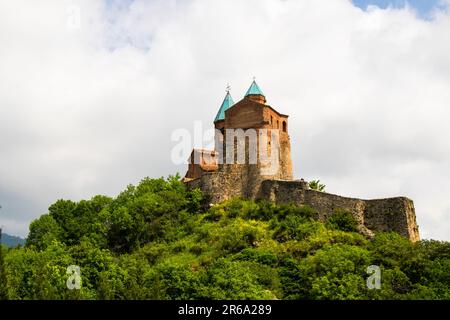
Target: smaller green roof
x,y
254,89
226,104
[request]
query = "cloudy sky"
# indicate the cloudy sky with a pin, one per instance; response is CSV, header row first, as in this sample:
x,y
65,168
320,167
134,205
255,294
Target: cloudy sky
x,y
91,92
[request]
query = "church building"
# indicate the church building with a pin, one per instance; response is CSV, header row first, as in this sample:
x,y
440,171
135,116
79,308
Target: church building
x,y
252,160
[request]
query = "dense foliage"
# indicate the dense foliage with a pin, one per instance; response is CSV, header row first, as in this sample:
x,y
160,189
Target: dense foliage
x,y
155,241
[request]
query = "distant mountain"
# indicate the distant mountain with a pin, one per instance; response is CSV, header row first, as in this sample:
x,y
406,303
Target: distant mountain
x,y
12,241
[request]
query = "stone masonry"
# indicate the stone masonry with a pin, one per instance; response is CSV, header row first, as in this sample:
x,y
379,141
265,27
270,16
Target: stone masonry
x,y
222,180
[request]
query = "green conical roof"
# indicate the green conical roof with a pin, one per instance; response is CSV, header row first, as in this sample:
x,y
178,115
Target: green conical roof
x,y
254,89
226,104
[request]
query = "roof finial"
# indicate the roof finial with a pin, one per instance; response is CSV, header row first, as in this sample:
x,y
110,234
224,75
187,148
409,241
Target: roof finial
x,y
254,89
254,78
226,104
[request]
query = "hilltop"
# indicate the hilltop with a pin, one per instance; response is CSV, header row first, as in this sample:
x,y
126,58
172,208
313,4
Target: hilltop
x,y
239,166
158,240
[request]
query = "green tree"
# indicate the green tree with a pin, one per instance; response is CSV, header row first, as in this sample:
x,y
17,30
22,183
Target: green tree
x,y
42,275
43,232
234,280
316,185
3,280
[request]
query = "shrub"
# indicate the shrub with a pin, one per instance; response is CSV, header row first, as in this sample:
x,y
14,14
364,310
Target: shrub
x,y
342,220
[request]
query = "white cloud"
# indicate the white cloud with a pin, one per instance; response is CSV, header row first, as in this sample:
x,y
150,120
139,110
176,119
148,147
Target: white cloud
x,y
87,111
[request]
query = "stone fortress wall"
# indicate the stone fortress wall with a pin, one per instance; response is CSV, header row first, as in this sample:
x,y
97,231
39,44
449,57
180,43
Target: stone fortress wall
x,y
380,215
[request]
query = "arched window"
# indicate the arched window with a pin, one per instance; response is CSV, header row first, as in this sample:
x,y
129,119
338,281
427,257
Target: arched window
x,y
278,124
284,126
271,120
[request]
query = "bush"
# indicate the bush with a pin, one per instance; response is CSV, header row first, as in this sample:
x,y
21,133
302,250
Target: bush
x,y
240,234
342,220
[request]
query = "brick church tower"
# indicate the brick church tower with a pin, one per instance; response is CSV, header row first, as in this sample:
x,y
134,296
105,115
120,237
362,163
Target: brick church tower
x,y
252,143
258,136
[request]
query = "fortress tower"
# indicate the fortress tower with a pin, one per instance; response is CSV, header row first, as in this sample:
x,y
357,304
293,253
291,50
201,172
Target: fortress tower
x,y
252,160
